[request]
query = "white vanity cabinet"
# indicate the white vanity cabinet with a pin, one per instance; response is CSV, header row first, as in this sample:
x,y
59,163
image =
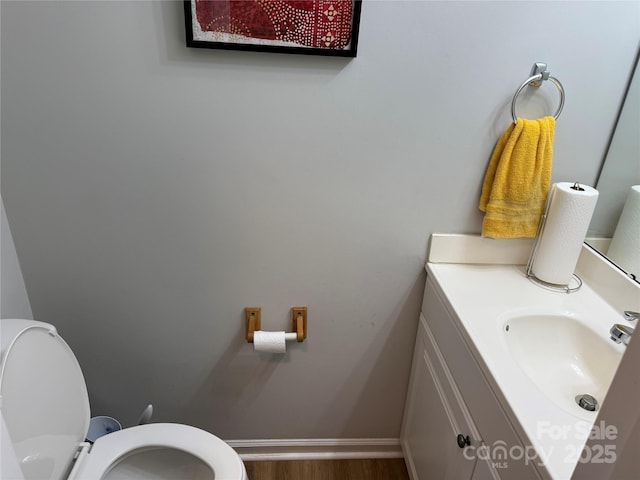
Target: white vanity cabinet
x,y
453,426
437,435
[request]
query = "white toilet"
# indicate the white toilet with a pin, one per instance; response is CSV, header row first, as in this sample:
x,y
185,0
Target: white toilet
x,y
45,416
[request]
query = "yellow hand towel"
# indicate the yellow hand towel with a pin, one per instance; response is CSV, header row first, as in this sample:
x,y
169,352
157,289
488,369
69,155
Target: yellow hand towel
x,y
517,179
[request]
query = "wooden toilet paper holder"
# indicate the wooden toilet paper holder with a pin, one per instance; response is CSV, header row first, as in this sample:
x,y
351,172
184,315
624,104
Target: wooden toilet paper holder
x,y
298,317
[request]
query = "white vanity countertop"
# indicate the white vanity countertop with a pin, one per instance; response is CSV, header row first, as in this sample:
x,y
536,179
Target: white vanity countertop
x,y
482,298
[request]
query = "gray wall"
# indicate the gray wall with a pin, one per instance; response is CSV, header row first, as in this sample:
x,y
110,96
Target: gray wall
x,y
14,301
155,191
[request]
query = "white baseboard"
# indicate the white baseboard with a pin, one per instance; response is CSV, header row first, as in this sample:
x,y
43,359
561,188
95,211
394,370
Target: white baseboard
x,y
317,448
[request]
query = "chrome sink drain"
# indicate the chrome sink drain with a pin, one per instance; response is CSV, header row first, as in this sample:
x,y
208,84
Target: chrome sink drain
x,y
586,401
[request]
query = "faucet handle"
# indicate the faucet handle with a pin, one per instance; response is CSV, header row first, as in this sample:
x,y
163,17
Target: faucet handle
x,y
621,333
631,316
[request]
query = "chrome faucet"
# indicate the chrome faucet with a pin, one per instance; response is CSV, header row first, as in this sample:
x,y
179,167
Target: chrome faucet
x,y
622,333
631,316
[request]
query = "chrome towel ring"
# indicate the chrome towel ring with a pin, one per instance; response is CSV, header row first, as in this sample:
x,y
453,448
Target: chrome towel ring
x,y
539,73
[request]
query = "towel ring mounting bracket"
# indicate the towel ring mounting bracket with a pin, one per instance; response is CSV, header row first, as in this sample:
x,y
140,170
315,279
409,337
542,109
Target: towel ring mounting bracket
x,y
538,74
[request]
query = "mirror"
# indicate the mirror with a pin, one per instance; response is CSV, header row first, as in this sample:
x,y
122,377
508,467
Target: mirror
x,y
615,227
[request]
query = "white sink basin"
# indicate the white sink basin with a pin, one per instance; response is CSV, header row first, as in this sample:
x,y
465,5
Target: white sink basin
x,y
564,357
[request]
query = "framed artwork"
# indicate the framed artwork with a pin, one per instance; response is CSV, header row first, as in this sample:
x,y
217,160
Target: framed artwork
x,y
310,27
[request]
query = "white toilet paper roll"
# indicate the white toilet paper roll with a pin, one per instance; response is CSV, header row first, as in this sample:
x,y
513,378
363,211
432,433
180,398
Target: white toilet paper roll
x,y
568,217
624,250
269,342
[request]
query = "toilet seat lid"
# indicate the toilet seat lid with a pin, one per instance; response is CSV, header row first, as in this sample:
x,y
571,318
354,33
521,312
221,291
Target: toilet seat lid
x,y
109,450
44,398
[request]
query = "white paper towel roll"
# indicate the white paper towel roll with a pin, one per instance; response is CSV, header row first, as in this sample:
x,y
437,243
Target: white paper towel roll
x,y
568,217
625,249
269,342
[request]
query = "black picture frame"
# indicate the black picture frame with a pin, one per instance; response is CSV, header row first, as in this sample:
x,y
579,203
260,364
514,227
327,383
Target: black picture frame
x,y
349,51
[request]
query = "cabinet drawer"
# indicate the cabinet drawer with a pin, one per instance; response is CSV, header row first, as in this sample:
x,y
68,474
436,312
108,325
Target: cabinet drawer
x,y
497,432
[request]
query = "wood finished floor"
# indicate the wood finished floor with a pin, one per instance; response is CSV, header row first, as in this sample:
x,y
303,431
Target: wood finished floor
x,y
365,469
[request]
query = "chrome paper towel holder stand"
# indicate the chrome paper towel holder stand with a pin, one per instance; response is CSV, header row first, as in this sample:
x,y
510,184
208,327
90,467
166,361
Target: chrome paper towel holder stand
x,y
576,282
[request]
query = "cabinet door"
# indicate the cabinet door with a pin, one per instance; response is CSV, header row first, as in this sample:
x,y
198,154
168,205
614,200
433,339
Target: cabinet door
x,y
484,471
430,432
